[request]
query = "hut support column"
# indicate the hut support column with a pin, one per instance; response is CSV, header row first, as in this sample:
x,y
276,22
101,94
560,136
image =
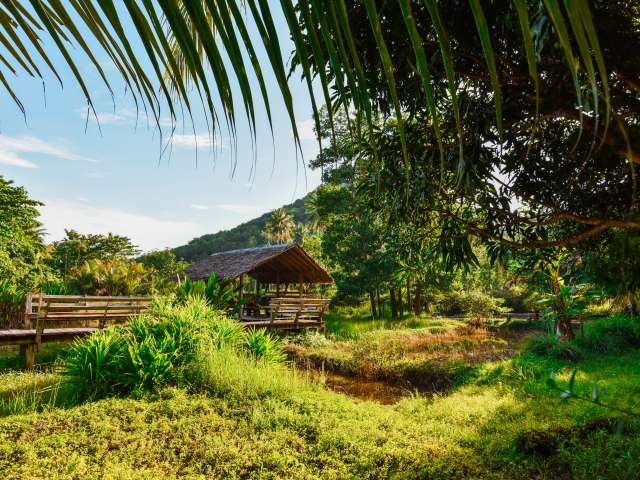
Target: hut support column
x,y
241,280
300,278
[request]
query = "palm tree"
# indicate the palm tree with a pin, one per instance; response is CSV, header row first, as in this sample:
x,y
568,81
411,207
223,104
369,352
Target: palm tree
x,y
279,227
311,206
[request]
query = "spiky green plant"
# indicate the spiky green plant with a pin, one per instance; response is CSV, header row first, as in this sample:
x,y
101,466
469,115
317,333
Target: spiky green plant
x,y
265,346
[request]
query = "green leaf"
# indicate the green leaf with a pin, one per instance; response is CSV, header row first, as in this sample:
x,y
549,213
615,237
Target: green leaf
x,y
489,56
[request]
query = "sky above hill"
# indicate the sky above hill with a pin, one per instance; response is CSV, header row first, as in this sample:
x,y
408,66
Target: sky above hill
x,y
111,176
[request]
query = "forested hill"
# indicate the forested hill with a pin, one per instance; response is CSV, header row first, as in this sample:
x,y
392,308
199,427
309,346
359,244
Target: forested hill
x,y
244,235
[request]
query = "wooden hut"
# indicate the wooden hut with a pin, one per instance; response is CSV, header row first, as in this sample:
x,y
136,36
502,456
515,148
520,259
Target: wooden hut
x,y
278,277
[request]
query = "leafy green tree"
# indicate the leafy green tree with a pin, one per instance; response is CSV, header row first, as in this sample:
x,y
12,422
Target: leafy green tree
x,y
279,227
164,262
21,245
77,248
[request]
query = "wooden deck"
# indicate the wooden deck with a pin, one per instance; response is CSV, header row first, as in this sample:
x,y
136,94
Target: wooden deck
x,y
28,337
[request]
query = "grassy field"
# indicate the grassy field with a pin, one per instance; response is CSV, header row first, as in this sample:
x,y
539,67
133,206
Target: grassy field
x,y
248,419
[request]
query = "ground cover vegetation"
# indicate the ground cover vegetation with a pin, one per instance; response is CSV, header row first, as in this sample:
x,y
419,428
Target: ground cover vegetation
x,y
220,405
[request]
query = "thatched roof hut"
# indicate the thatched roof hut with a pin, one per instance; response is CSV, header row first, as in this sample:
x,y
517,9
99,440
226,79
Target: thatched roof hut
x,y
272,264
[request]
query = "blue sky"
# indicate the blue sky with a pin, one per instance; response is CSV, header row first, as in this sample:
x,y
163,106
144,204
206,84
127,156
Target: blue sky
x,y
116,181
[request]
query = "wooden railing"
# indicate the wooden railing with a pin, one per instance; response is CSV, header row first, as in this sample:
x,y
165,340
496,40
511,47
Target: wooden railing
x,y
288,313
51,318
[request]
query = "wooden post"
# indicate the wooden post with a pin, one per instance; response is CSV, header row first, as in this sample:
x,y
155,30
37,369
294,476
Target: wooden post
x,y
40,322
29,351
28,311
277,284
257,289
29,356
300,278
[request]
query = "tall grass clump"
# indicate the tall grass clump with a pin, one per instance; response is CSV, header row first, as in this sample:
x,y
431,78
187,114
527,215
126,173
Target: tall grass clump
x,y
168,345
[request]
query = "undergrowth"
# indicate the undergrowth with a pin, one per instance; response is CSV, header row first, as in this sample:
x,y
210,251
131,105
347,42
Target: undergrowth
x,y
234,414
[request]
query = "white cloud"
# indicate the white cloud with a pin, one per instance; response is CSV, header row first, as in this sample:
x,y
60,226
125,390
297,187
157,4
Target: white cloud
x,y
105,118
229,207
108,118
12,150
191,140
146,231
305,129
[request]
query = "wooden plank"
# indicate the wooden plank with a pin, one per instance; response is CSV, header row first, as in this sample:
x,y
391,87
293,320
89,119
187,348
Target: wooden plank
x,y
65,298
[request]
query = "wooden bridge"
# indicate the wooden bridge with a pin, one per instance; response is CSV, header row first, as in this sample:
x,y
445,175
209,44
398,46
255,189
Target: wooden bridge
x,y
60,318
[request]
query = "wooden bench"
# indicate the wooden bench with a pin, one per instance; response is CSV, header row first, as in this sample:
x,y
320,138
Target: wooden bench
x,y
55,318
292,313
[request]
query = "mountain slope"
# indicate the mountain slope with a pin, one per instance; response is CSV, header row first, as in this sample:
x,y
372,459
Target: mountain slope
x,y
245,235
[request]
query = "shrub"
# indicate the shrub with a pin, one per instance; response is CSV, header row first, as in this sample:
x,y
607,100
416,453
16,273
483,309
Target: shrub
x,y
116,276
11,304
264,346
218,292
473,303
614,334
95,365
165,346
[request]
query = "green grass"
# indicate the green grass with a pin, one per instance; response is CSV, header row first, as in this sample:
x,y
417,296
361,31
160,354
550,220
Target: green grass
x,y
351,322
249,418
430,359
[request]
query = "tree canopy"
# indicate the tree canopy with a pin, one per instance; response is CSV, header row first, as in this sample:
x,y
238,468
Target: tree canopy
x,y
21,244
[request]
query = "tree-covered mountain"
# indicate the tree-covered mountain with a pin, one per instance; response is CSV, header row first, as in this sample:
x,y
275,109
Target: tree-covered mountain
x,y
245,235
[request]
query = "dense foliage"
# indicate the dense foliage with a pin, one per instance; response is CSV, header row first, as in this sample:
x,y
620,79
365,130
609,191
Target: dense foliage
x,y
21,245
76,248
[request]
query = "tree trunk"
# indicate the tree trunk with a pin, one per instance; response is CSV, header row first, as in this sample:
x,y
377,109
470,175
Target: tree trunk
x,y
408,294
417,300
380,305
563,328
394,303
400,302
374,312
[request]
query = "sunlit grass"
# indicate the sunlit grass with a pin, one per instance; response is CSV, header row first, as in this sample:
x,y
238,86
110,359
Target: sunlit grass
x,y
248,418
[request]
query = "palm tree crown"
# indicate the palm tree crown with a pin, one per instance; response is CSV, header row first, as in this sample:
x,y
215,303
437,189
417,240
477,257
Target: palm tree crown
x,y
279,227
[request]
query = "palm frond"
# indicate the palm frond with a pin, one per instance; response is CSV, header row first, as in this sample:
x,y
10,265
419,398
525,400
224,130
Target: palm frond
x,y
205,46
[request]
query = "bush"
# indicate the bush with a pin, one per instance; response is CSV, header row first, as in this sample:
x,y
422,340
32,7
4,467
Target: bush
x,y
218,292
473,303
11,304
551,347
116,276
165,346
614,334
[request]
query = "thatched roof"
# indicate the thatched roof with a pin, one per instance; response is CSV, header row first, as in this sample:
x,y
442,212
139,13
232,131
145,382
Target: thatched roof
x,y
268,264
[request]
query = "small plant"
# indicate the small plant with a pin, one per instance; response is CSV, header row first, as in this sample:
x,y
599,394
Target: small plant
x,y
217,291
564,304
264,346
